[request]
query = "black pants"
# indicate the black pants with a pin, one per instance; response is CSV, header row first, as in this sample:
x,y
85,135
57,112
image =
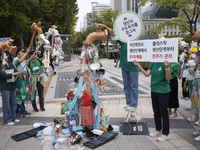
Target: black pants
x,y
51,62
186,92
160,109
40,90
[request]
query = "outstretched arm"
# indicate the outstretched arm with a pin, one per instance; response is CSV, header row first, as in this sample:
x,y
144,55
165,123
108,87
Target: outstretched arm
x,y
109,29
167,71
146,73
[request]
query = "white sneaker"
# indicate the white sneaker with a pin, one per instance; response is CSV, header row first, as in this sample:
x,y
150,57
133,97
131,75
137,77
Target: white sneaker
x,y
196,123
131,108
16,120
187,98
197,138
10,123
163,138
182,97
126,106
196,133
173,115
155,133
135,116
189,119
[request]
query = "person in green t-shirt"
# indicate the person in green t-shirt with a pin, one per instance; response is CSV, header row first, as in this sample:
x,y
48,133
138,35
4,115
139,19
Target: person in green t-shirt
x,y
22,93
173,95
130,74
160,75
35,66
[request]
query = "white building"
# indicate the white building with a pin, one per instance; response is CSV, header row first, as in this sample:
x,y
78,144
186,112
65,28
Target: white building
x,y
97,7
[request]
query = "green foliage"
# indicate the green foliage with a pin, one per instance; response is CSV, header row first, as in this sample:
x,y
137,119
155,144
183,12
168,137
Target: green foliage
x,y
17,17
189,11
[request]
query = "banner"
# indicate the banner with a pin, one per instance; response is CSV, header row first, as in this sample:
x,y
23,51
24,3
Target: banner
x,y
6,39
127,27
153,50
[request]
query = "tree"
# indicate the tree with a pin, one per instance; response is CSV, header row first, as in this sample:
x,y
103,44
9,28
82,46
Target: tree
x,y
188,13
17,16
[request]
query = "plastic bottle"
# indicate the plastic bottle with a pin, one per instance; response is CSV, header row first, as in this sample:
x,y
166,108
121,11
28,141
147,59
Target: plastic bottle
x,y
56,64
68,144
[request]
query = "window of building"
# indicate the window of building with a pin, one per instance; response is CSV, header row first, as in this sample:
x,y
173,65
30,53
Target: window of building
x,y
145,27
167,33
156,26
174,33
179,33
148,26
171,33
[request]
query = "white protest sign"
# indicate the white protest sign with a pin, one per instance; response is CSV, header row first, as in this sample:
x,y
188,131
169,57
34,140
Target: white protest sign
x,y
6,39
164,49
127,27
153,50
138,50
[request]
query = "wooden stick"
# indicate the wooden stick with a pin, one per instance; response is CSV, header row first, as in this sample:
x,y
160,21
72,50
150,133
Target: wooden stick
x,y
34,33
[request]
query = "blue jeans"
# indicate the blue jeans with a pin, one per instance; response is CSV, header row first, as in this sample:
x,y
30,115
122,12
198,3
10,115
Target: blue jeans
x,y
130,80
20,109
9,105
190,92
160,109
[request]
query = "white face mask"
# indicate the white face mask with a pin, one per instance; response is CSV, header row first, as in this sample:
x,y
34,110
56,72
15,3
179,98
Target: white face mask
x,y
4,57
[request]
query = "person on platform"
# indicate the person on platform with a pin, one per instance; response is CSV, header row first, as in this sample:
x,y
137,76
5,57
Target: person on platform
x,y
8,90
130,73
160,75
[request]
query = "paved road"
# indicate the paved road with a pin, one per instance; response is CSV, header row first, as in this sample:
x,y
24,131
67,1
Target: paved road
x,y
113,101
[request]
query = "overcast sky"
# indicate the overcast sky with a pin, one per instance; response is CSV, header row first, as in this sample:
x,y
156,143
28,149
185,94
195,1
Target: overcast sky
x,y
85,7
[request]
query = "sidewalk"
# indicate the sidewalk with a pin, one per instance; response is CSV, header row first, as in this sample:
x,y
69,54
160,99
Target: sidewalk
x,y
181,137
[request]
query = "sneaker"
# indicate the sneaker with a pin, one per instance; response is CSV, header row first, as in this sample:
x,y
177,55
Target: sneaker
x,y
182,97
43,109
189,119
135,116
163,138
155,133
197,138
10,123
196,123
196,133
187,98
26,113
20,115
131,108
169,113
125,106
16,120
36,110
173,115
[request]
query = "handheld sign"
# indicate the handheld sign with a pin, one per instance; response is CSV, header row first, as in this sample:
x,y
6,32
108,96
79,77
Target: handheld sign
x,y
127,27
153,50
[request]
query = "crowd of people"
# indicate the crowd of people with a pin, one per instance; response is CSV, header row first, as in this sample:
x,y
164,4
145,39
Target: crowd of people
x,y
19,82
164,88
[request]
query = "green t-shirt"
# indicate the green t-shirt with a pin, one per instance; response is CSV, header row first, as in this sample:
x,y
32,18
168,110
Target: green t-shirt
x,y
159,83
36,68
176,66
124,64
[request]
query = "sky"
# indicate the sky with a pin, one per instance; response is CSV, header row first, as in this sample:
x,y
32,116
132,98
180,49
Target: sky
x,y
85,7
